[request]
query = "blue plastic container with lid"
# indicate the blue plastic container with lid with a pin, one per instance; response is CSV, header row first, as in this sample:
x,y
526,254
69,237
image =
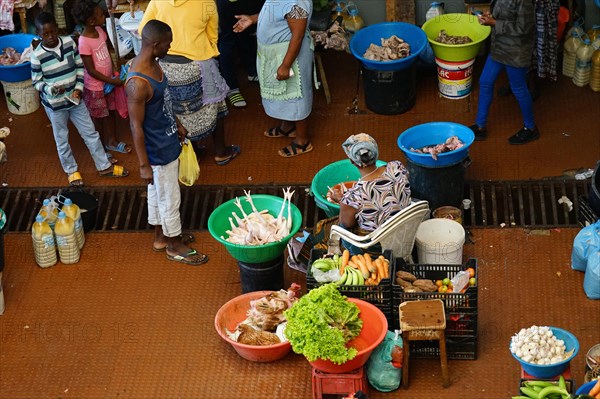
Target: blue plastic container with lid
x,y
20,72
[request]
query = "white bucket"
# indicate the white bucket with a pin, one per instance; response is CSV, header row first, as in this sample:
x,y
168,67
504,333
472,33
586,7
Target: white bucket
x,y
455,79
440,242
21,97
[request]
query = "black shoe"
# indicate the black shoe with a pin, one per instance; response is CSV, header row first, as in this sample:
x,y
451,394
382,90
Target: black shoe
x,y
480,133
524,136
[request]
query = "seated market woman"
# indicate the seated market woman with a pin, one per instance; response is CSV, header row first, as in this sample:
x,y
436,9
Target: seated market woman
x,y
379,193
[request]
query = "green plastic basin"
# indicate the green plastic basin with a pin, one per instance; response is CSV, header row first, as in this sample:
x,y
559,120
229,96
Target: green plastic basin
x,y
329,176
456,25
218,224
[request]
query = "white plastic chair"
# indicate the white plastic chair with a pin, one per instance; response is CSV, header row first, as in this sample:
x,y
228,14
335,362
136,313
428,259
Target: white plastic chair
x,y
397,233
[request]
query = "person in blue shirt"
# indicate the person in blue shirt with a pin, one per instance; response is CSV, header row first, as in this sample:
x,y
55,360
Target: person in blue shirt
x,y
157,136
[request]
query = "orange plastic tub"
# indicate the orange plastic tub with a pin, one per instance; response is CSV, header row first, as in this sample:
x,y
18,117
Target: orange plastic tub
x,y
374,329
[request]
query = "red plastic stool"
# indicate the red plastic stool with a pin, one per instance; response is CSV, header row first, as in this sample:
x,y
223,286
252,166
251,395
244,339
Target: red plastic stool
x,y
344,384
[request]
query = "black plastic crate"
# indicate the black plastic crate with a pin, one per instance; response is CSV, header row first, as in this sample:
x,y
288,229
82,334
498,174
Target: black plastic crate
x,y
457,348
460,308
379,295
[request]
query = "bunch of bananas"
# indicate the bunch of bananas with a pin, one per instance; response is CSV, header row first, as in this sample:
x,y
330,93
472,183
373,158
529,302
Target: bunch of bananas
x,y
355,270
351,276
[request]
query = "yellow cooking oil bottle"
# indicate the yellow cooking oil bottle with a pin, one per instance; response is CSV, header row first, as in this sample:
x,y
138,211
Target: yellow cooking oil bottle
x,y
49,212
73,211
570,54
583,64
595,75
44,247
353,22
64,230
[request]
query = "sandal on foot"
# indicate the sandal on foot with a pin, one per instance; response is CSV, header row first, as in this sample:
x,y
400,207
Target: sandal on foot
x,y
111,159
120,147
75,179
236,99
295,149
235,151
185,239
193,258
279,132
114,171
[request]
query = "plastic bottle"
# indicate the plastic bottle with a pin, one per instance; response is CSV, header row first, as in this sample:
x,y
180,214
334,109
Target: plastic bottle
x,y
435,9
576,29
49,212
44,247
583,65
338,12
460,281
595,75
73,211
354,22
68,250
594,32
570,55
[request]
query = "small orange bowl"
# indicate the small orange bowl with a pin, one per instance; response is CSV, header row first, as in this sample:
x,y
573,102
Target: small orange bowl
x,y
233,313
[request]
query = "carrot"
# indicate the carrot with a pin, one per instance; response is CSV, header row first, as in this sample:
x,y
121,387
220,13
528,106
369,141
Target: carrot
x,y
595,390
380,269
385,264
362,264
369,263
353,265
345,258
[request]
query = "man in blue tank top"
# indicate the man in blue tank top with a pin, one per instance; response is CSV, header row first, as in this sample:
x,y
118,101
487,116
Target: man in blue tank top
x,y
157,136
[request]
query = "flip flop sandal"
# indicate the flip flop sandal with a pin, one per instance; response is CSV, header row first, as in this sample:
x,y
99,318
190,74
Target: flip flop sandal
x,y
235,151
278,132
185,239
75,179
120,147
237,100
115,171
184,258
295,149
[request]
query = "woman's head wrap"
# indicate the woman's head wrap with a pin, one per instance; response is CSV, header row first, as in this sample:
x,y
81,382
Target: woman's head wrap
x,y
361,149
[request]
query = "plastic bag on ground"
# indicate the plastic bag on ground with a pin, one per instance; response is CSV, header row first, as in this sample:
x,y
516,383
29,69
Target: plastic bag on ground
x,y
591,281
189,170
384,368
585,242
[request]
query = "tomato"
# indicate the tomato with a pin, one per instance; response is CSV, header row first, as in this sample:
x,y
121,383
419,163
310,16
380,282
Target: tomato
x,y
471,272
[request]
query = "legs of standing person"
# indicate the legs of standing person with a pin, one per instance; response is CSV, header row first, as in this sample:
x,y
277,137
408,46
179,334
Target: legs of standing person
x,y
227,44
247,48
164,199
60,130
223,154
301,143
109,134
490,73
517,78
80,117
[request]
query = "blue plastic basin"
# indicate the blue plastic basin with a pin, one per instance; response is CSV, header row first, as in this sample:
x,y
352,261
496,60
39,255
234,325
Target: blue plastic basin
x,y
362,39
585,388
21,72
552,370
435,133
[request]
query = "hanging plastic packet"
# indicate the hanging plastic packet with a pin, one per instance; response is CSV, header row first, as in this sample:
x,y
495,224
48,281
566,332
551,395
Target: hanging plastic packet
x,y
189,170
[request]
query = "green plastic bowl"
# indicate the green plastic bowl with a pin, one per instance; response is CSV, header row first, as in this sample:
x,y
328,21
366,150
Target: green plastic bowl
x,y
456,25
329,176
218,224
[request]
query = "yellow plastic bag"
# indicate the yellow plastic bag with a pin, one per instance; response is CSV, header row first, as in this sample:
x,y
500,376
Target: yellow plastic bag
x,y
189,170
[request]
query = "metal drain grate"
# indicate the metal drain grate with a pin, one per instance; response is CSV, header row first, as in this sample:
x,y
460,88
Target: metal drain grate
x,y
512,203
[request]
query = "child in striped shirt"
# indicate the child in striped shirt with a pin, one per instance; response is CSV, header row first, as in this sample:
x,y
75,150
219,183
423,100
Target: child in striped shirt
x,y
57,73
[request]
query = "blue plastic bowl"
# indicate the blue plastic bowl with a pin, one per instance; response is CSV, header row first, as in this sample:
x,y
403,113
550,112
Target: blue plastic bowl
x,y
435,133
21,72
329,176
552,370
412,34
585,388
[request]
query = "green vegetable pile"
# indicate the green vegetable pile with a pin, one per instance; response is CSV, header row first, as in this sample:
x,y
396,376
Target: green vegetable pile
x,y
321,323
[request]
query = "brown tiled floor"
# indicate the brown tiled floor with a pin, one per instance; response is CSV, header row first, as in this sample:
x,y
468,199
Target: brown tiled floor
x,y
125,322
